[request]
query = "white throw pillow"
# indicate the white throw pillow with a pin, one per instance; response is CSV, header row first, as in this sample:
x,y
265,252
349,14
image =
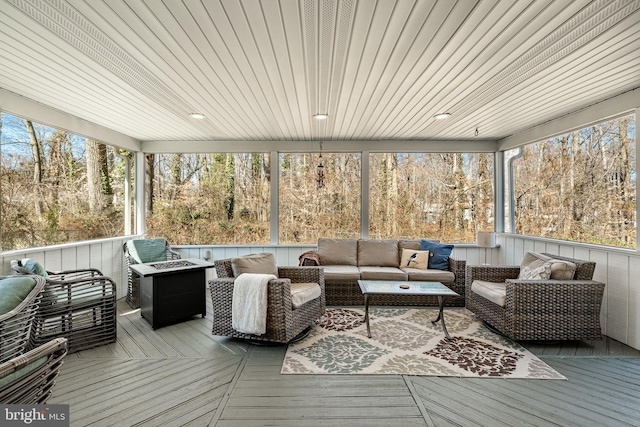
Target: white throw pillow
x,y
414,259
541,272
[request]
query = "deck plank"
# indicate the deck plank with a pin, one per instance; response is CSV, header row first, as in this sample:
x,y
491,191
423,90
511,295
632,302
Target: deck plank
x,y
181,375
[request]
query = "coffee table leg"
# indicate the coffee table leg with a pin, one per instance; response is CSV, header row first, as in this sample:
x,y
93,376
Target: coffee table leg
x,y
366,314
440,317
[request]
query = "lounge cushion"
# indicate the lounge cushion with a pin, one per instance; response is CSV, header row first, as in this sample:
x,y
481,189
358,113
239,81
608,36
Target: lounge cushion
x,y
263,263
560,269
494,292
378,253
23,372
381,273
438,254
302,293
431,275
13,290
338,251
147,250
414,259
341,273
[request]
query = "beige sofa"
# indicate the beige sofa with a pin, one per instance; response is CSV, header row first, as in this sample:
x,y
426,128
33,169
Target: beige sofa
x,y
345,261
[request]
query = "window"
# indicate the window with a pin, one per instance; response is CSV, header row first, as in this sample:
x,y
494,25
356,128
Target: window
x,y
209,198
580,186
57,187
310,209
444,196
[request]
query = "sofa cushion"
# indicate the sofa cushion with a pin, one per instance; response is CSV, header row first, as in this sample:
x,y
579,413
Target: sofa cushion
x,y
302,293
382,273
431,275
560,269
263,263
494,292
414,259
408,244
341,273
438,254
338,251
378,253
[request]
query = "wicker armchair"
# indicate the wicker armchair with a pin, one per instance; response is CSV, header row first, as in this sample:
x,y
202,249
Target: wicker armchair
x,y
540,310
284,323
133,280
16,324
79,305
29,378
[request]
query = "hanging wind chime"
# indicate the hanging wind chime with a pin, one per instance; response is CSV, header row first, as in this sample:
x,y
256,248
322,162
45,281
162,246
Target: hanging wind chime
x,y
320,170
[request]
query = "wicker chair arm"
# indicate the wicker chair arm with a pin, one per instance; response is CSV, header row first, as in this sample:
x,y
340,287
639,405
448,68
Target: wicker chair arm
x,y
302,274
491,273
458,267
74,274
171,254
530,295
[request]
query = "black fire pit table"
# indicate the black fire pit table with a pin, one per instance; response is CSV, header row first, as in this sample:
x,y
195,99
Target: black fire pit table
x,y
173,290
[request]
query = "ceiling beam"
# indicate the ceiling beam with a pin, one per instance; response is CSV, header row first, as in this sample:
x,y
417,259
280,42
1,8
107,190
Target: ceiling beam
x,y
26,108
608,109
402,146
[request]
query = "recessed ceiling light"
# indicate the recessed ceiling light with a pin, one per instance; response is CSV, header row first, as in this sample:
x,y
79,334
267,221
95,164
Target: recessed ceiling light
x,y
320,116
442,116
196,115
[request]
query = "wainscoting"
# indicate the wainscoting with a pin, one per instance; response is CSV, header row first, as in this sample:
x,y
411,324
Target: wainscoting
x,y
618,268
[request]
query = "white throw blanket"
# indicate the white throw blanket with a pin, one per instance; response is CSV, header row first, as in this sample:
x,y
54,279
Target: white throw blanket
x,y
249,305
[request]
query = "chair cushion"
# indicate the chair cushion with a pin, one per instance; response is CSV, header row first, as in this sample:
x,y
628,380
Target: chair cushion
x,y
338,251
414,259
23,372
263,263
438,254
431,275
341,273
494,292
13,290
382,273
147,250
378,253
302,293
560,269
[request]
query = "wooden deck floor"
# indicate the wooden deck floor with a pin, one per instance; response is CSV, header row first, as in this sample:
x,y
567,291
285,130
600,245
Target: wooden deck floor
x,y
182,375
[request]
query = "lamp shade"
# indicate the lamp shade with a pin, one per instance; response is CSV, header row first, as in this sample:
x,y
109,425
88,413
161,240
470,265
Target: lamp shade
x,y
486,239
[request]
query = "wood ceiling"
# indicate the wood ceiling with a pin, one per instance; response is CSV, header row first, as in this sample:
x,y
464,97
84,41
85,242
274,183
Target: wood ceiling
x,y
260,69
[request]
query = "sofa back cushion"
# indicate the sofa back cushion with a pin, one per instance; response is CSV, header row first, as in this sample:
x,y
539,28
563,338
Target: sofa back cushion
x,y
338,251
264,263
379,253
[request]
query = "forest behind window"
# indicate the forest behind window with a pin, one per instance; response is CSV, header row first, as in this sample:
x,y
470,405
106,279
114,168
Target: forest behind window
x,y
57,187
443,196
580,186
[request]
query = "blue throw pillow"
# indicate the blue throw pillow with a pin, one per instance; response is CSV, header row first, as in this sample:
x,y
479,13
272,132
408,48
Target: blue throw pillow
x,y
34,267
438,254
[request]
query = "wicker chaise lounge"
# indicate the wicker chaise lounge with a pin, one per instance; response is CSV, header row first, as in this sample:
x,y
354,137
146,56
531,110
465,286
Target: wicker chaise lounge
x,y
79,305
284,321
539,310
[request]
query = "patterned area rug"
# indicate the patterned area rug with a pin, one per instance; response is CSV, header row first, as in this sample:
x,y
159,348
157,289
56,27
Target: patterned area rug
x,y
405,342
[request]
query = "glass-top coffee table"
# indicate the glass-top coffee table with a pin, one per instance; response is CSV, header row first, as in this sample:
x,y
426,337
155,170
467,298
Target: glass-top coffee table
x,y
373,287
